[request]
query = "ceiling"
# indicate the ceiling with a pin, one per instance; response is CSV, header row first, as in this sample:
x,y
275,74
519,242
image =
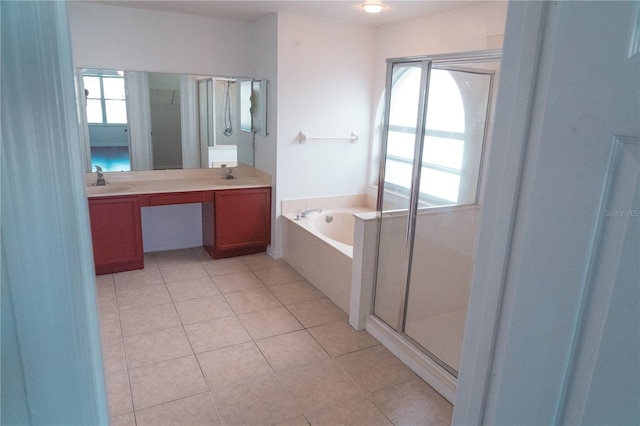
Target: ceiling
x,y
250,11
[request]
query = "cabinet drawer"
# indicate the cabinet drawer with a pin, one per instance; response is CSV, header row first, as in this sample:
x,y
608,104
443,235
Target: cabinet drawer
x,y
177,198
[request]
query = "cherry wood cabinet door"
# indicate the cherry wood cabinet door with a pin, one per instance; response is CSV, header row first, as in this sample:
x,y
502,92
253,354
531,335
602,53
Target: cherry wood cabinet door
x,y
242,221
116,231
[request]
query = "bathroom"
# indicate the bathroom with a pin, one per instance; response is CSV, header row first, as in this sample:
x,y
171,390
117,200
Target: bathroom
x,y
343,99
307,82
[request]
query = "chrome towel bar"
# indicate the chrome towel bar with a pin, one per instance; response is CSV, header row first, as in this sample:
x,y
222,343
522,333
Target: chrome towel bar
x,y
303,137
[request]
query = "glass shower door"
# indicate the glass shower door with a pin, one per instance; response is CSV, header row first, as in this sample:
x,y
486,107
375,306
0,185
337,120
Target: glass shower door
x,y
436,122
444,237
400,137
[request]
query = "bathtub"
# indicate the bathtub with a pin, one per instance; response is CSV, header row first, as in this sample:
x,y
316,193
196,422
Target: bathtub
x,y
333,226
320,247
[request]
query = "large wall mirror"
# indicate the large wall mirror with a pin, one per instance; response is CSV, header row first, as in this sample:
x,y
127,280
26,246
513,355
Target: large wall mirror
x,y
133,120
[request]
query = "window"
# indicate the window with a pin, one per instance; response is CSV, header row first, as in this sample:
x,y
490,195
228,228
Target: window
x,y
443,149
106,115
106,98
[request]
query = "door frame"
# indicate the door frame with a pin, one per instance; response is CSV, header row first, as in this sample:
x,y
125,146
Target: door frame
x,y
504,167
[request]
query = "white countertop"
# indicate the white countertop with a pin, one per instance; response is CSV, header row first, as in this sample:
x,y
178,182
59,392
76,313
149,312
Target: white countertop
x,y
188,180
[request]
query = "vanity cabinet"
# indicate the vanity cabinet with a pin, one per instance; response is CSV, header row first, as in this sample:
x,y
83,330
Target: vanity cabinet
x,y
116,231
238,222
235,222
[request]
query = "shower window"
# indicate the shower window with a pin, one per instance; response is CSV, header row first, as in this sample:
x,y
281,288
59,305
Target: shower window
x,y
444,137
402,128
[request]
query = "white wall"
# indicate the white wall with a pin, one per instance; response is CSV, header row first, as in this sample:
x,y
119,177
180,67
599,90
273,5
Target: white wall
x,y
265,66
324,76
451,31
324,88
143,40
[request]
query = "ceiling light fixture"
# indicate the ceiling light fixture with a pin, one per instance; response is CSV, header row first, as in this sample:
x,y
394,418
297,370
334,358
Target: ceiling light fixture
x,y
372,6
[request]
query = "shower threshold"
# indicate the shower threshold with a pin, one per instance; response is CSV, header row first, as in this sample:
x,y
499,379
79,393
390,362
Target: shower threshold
x,y
431,372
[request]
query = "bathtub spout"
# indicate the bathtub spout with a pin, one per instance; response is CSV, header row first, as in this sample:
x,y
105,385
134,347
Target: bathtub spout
x,y
306,212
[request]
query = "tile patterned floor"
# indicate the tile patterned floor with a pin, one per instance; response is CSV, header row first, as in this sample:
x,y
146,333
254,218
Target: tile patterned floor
x,y
245,341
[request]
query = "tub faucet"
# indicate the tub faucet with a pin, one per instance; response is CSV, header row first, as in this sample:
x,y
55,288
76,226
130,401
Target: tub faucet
x,y
305,212
100,181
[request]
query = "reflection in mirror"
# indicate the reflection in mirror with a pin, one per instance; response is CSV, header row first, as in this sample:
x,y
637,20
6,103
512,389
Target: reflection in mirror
x,y
226,130
166,131
231,111
106,117
156,121
259,106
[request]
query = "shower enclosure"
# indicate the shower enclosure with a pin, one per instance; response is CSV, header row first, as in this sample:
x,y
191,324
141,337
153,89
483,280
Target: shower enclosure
x,y
437,118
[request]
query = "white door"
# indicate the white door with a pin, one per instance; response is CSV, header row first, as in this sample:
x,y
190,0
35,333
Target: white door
x,y
564,345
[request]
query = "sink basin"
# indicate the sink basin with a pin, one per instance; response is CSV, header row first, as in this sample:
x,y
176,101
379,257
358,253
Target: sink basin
x,y
109,189
239,181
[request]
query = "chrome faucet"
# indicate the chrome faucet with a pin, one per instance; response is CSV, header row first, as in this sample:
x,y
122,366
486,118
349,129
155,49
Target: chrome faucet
x,y
305,212
100,181
229,174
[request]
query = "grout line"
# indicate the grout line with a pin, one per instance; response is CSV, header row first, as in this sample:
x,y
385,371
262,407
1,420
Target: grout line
x,y
126,362
362,393
193,353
